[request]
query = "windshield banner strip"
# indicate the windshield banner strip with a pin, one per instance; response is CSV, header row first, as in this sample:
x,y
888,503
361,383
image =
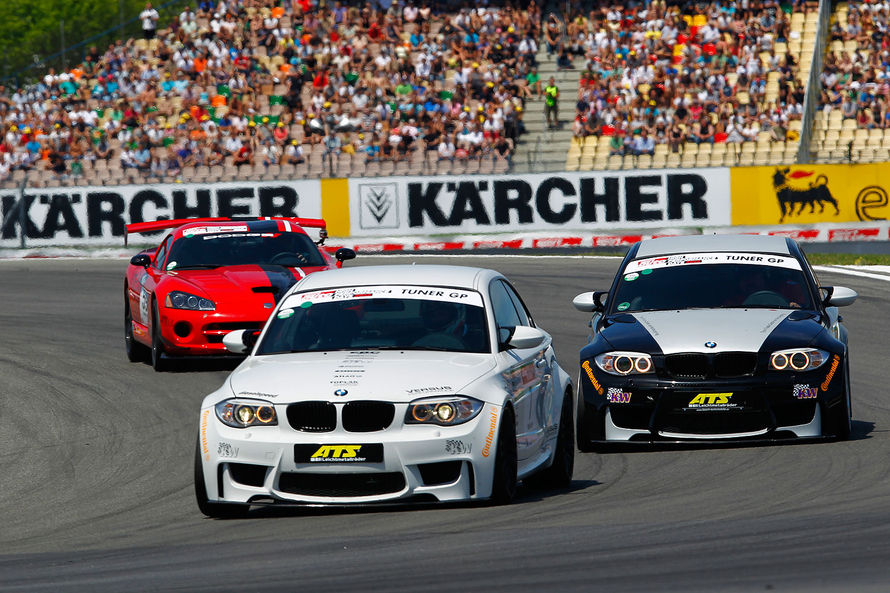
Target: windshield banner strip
x,y
683,259
423,293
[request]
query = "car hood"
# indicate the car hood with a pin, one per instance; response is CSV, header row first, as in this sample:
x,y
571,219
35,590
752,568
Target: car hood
x,y
745,330
264,283
397,376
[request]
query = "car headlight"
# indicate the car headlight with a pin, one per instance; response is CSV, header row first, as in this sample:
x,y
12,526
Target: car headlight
x,y
625,363
443,411
239,414
183,300
797,359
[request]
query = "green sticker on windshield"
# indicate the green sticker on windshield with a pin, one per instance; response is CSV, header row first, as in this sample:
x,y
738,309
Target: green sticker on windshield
x,y
646,272
285,313
306,305
631,277
171,265
623,306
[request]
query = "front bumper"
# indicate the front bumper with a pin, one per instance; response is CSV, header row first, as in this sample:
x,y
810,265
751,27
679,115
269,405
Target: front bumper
x,y
771,407
259,465
200,333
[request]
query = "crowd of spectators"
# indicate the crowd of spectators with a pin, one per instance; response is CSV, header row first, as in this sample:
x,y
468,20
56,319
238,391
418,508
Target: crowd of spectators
x,y
268,84
856,70
659,73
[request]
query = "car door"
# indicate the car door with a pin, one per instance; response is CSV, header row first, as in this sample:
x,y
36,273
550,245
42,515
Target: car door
x,y
524,370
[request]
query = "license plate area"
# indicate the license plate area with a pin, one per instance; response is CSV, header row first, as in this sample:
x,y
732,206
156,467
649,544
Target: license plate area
x,y
345,453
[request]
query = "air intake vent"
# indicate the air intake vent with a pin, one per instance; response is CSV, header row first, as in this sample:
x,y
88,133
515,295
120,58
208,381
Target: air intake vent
x,y
734,364
312,416
367,416
342,485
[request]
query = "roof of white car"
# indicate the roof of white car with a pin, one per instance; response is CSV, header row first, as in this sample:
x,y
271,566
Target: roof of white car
x,y
420,275
713,243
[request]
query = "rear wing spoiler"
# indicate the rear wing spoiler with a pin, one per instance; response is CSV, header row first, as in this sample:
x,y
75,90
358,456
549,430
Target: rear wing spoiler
x,y
160,225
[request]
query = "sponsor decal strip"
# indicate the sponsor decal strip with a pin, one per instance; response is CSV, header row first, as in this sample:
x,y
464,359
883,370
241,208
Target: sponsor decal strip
x,y
712,258
835,361
426,293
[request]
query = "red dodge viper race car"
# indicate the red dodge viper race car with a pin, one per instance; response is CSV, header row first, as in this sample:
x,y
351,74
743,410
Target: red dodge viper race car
x,y
212,276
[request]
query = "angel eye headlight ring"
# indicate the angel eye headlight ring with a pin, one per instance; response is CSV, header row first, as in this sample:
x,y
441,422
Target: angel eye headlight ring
x,y
797,359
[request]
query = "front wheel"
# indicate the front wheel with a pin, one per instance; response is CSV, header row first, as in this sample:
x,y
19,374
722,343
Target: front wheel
x,y
214,510
559,474
158,362
503,487
839,420
136,352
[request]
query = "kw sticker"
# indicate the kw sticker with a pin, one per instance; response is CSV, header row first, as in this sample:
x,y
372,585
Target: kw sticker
x,y
616,396
596,384
805,392
712,401
834,363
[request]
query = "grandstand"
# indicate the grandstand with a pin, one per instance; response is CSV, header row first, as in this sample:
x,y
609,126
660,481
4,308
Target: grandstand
x,y
264,90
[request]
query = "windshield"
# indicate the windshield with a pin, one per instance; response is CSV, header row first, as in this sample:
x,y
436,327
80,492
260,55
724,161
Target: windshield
x,y
379,317
712,281
244,248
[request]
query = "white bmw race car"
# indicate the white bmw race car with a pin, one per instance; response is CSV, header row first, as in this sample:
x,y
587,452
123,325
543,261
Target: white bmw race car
x,y
387,384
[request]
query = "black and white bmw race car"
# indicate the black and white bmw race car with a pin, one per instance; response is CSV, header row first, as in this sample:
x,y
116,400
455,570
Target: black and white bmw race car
x,y
714,337
387,384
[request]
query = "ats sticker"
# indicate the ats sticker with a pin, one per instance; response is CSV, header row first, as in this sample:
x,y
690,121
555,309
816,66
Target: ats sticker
x,y
589,371
616,396
712,401
338,453
805,392
834,362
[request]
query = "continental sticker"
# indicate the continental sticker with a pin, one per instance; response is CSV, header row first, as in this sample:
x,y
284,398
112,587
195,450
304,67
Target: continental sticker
x,y
205,449
711,402
596,384
835,361
492,427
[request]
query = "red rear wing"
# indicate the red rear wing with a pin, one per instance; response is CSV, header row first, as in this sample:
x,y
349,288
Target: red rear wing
x,y
159,225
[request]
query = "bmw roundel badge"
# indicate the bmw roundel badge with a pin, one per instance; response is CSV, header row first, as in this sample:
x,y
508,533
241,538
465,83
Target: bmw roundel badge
x,y
710,344
341,392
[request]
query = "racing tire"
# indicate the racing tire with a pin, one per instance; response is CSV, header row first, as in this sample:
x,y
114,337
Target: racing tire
x,y
214,510
503,484
158,362
136,352
559,474
839,419
591,430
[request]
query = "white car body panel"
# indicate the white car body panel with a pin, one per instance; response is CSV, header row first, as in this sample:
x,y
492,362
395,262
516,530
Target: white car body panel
x,y
530,380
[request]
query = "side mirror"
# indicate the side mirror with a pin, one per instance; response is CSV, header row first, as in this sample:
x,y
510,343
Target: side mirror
x,y
343,254
143,260
590,301
839,296
241,341
523,336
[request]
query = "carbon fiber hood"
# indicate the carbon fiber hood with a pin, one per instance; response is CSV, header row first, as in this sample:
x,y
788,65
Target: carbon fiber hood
x,y
743,330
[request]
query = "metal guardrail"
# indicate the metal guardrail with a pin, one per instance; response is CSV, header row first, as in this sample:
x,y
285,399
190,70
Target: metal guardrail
x,y
814,85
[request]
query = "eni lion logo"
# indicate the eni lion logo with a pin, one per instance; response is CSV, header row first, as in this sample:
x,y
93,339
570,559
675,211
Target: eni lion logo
x,y
815,194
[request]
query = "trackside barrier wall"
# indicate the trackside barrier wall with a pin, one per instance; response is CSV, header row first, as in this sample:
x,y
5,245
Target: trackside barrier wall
x,y
580,204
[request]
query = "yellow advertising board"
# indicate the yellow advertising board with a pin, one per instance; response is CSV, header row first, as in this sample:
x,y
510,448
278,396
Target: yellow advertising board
x,y
803,194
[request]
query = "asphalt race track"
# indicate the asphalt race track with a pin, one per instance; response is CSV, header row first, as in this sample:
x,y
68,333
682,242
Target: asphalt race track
x,y
96,477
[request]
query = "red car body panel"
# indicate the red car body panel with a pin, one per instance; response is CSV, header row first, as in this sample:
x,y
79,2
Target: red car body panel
x,y
244,295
